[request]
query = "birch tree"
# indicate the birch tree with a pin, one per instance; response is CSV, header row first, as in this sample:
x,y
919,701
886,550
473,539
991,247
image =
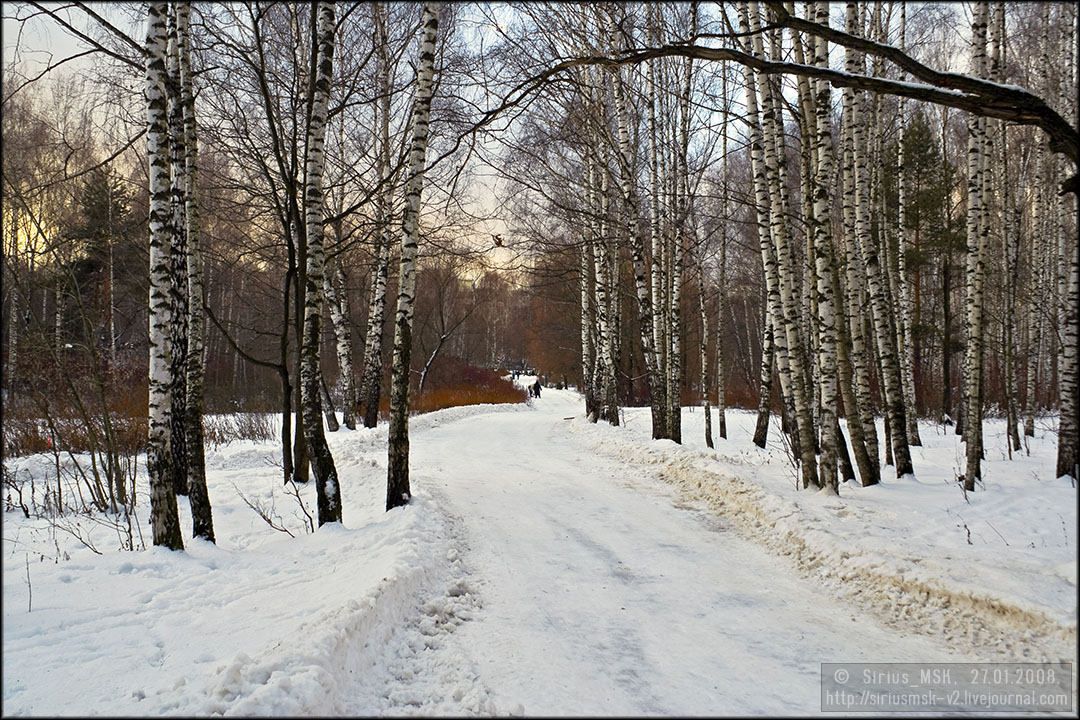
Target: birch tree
x,y
322,462
823,265
882,331
852,351
164,518
371,382
725,219
904,299
178,289
704,355
397,482
337,298
198,495
789,314
659,388
774,315
643,279
977,237
1068,456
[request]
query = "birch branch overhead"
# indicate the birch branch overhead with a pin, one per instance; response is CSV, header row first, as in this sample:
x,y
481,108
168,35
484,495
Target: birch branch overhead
x,y
1004,102
963,92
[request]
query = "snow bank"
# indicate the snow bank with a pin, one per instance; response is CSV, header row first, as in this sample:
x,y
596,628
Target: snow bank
x,y
994,572
259,624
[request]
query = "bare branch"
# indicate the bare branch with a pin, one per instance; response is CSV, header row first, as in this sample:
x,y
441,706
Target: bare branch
x,y
86,38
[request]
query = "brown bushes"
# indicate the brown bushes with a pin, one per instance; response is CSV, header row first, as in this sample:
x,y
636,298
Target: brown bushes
x,y
458,383
223,429
64,409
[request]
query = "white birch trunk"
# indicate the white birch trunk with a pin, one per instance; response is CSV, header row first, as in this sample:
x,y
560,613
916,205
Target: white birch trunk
x,y
178,263
603,372
977,236
588,352
337,297
646,304
886,339
762,201
791,314
397,481
371,381
198,495
682,208
721,375
907,365
1035,291
656,274
15,324
1068,457
823,265
327,486
164,519
851,346
704,348
1065,267
1010,225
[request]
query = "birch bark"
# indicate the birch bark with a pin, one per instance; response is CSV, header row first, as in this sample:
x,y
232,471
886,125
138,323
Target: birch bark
x,y
768,355
823,264
904,299
337,297
164,518
725,219
661,419
178,289
327,486
1068,457
646,321
774,310
588,352
604,375
371,382
1010,216
397,480
198,495
977,237
886,339
790,315
1034,334
704,348
851,346
853,242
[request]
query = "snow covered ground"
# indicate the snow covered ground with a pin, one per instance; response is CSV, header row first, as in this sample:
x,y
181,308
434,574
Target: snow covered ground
x,y
544,566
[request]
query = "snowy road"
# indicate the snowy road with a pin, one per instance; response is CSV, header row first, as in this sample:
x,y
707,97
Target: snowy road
x,y
602,594
543,567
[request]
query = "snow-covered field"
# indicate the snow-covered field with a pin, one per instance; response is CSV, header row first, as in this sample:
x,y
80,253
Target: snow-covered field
x,y
544,566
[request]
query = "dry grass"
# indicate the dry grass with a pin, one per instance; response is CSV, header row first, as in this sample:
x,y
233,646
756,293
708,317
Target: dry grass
x,y
223,429
465,385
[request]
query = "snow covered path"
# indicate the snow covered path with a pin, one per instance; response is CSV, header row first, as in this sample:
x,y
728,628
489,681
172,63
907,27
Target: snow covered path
x,y
601,595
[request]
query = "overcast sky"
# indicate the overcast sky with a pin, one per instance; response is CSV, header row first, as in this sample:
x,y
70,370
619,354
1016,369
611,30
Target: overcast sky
x,y
39,40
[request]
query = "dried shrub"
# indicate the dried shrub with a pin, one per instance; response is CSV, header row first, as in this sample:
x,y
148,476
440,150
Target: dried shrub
x,y
457,383
64,406
223,429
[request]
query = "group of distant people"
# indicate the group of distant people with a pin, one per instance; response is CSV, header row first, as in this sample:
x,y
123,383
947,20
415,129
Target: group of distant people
x,y
534,388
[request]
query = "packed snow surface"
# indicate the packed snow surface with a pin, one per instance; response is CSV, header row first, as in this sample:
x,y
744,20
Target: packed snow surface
x,y
543,566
